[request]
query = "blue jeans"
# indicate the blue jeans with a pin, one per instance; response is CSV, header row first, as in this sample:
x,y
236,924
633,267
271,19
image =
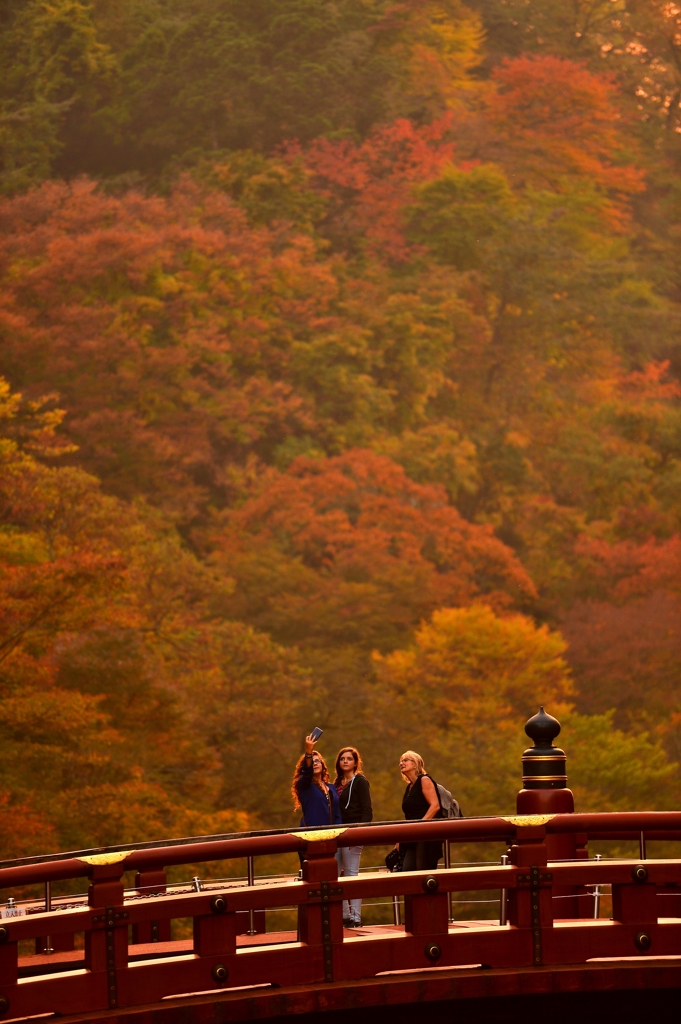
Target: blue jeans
x,y
348,866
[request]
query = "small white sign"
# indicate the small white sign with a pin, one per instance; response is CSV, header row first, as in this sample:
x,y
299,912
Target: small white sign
x,y
13,912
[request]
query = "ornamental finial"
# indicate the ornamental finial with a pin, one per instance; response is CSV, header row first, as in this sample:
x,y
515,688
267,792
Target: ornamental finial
x,y
542,728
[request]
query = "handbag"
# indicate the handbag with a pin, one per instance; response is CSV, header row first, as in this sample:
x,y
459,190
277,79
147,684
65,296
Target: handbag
x,y
393,860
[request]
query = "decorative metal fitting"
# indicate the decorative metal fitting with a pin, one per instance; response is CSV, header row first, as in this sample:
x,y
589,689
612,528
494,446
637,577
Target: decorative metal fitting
x,y
4,1004
433,951
220,974
218,904
4,934
640,873
430,884
543,764
642,941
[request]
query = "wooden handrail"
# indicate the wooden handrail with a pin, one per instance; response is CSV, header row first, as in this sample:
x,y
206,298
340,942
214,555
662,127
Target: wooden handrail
x,y
663,825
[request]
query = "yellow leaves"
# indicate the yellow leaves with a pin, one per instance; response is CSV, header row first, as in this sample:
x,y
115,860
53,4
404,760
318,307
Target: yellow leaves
x,y
60,715
18,548
9,403
470,653
461,694
442,42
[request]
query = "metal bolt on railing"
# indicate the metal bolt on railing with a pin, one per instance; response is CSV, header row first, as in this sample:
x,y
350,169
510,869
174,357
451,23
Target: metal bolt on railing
x,y
196,882
503,904
597,894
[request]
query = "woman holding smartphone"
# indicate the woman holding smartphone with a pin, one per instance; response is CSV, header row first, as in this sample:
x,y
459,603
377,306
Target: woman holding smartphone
x,y
355,806
312,790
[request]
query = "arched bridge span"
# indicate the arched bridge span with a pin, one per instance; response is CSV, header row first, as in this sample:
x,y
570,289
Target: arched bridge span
x,y
548,940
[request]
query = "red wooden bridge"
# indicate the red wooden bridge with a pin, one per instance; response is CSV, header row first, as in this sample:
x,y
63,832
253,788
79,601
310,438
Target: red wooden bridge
x,y
601,938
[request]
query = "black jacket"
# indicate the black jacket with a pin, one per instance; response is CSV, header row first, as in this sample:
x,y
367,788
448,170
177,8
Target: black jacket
x,y
355,801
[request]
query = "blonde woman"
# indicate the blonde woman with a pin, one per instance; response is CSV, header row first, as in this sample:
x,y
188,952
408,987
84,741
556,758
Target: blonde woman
x,y
420,802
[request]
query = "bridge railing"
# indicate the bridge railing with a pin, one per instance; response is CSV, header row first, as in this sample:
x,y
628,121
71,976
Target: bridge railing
x,y
129,959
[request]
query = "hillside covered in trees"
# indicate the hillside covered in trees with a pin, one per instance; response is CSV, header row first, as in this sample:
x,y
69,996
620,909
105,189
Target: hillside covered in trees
x,y
340,356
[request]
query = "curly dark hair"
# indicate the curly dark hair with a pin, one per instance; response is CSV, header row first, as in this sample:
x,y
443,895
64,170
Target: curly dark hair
x,y
299,771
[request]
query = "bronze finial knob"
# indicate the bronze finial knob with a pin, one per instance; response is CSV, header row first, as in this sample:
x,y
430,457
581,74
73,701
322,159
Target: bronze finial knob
x,y
543,764
542,728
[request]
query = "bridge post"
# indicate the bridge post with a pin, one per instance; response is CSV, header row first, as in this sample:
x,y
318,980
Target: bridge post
x,y
9,960
544,792
106,946
320,921
530,906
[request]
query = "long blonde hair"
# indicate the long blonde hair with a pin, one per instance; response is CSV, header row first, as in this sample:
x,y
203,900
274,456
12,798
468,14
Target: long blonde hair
x,y
418,761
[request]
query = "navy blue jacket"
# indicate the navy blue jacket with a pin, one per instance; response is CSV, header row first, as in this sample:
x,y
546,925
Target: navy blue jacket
x,y
314,803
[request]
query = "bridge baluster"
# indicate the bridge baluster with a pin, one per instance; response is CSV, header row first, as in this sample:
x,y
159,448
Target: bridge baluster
x,y
215,935
149,883
427,914
636,902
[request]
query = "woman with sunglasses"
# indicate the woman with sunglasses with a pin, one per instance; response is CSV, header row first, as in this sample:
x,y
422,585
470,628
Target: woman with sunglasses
x,y
312,790
420,801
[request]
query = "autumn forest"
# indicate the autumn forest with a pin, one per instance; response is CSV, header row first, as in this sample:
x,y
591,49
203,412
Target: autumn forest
x,y
340,356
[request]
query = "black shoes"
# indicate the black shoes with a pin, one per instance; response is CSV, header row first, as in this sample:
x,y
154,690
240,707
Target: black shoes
x,y
349,923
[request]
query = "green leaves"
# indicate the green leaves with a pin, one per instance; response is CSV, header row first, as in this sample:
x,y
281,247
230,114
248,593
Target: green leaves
x,y
457,214
52,60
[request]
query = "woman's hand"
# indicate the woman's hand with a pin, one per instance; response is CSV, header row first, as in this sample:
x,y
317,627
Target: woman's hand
x,y
309,744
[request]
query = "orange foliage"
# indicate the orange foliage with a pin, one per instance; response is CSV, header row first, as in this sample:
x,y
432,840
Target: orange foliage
x,y
626,656
169,307
349,549
631,569
556,125
229,352
368,184
25,831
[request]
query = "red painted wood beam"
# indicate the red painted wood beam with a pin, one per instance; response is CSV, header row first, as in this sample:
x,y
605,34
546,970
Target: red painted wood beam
x,y
407,996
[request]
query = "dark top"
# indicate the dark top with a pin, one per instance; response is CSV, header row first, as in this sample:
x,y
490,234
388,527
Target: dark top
x,y
414,803
355,801
314,802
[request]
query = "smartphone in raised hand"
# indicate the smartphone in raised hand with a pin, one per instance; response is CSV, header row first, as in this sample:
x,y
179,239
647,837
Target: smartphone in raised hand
x,y
316,733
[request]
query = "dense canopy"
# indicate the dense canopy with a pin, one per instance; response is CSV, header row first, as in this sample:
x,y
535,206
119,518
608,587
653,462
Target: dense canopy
x,y
340,383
